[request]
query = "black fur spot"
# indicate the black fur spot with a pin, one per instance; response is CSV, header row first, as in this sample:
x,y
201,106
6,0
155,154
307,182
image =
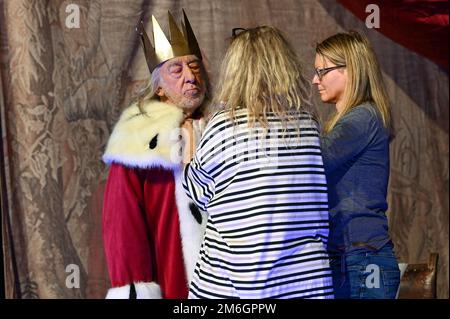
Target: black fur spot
x,y
195,212
153,142
132,292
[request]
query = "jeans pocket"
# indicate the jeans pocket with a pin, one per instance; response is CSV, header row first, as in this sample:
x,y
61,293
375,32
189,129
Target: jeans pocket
x,y
382,277
391,281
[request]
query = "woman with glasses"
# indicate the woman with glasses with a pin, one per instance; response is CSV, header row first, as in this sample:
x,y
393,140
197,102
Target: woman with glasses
x,y
258,173
355,147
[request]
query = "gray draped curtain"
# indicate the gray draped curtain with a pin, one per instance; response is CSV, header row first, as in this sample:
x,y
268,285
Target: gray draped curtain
x,y
62,89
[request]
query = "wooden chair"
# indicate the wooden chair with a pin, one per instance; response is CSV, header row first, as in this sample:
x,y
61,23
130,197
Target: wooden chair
x,y
418,281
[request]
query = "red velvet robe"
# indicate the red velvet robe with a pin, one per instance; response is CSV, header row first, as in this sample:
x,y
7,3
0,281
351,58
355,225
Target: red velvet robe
x,y
141,219
142,229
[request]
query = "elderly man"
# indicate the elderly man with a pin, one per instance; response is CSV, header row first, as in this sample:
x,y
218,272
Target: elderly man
x,y
151,232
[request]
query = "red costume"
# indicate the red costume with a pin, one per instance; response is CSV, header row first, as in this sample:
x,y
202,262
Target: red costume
x,y
152,234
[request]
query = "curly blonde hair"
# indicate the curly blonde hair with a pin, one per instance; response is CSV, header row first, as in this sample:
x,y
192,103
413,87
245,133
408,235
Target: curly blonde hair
x,y
261,72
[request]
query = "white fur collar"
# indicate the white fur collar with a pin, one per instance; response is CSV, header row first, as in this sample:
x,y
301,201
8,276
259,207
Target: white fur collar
x,y
133,136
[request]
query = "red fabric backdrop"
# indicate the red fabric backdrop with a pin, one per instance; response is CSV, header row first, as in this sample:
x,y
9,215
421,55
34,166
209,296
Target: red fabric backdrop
x,y
419,25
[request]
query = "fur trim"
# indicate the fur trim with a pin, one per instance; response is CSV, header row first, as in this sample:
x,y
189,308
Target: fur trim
x,y
191,231
132,135
148,290
119,292
144,290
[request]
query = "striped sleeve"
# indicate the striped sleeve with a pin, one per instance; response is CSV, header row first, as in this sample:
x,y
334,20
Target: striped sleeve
x,y
198,185
197,182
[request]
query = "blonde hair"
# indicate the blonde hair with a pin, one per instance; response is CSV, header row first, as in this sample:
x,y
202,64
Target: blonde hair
x,y
364,79
261,72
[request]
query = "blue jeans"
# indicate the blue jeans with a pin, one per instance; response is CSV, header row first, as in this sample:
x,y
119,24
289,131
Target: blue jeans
x,y
366,275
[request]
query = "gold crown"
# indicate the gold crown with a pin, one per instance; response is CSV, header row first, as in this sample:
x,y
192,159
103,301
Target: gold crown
x,y
180,43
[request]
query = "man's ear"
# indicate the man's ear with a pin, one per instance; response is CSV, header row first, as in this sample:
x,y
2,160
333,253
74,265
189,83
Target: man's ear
x,y
160,92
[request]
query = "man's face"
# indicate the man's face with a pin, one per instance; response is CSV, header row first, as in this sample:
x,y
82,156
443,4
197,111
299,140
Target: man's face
x,y
182,83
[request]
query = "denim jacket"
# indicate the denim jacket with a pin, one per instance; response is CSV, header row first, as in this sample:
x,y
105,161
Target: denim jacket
x,y
356,159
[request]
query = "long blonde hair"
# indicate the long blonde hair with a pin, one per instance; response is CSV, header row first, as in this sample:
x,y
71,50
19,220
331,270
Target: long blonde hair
x,y
364,82
261,72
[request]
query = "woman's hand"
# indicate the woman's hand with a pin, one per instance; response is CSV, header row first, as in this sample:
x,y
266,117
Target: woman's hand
x,y
188,140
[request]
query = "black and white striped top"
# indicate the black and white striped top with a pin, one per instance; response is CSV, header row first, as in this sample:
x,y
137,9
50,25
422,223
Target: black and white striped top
x,y
265,194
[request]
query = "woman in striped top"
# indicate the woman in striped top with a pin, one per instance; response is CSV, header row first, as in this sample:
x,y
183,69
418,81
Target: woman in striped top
x,y
258,173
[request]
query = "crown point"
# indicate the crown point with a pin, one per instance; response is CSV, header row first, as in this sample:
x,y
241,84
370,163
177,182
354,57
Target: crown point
x,y
163,49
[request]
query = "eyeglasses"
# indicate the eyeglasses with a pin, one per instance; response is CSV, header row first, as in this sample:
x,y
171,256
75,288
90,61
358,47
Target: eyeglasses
x,y
236,31
321,72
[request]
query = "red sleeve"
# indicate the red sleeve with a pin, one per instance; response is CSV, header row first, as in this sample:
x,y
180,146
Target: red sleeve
x,y
125,233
